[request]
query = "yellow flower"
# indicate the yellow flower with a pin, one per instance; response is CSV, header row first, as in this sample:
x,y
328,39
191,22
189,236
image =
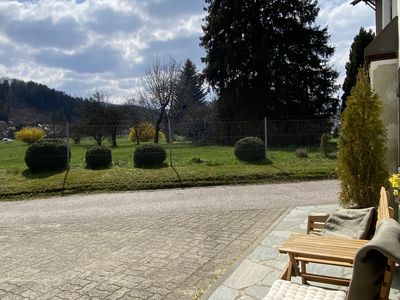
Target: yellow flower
x,y
395,183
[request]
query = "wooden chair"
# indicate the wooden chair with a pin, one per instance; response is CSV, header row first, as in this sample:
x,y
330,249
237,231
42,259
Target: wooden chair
x,y
316,223
286,290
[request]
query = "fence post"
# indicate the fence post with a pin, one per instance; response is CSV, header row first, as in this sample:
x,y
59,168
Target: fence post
x,y
170,141
68,166
68,149
265,137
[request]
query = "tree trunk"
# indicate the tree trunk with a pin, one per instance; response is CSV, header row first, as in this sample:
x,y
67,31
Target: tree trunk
x,y
157,131
158,125
98,138
137,136
166,127
114,136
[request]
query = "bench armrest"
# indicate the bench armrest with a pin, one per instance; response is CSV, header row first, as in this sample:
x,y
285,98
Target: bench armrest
x,y
316,223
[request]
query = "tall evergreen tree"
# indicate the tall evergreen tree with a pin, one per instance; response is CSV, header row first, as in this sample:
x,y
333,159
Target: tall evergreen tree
x,y
189,109
356,61
190,95
268,58
362,147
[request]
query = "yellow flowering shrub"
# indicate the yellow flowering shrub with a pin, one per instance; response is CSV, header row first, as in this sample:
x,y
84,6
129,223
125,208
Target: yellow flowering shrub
x,y
145,131
395,183
30,135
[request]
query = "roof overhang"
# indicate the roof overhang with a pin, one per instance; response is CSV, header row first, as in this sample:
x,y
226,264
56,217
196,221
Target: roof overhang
x,y
385,45
370,3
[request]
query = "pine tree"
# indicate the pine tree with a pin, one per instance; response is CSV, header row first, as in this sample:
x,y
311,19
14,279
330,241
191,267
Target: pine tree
x,y
356,61
189,109
268,58
190,95
362,147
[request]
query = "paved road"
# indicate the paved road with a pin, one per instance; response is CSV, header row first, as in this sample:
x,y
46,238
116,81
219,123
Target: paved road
x,y
169,244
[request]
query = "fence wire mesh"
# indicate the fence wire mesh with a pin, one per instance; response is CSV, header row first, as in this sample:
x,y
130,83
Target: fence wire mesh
x,y
197,151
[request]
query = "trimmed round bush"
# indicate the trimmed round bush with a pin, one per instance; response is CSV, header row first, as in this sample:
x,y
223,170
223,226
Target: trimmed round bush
x,y
47,155
250,149
98,157
149,155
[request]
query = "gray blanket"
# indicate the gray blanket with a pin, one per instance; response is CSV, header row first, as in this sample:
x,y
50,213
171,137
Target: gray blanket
x,y
371,259
351,223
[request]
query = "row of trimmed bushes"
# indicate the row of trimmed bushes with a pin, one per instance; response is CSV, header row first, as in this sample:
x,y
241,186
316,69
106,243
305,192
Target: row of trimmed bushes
x,y
144,155
52,154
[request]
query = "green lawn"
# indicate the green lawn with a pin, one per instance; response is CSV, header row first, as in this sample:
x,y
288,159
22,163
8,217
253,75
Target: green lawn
x,y
193,166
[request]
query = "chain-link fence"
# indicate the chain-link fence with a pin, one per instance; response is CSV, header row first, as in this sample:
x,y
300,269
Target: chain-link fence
x,y
198,152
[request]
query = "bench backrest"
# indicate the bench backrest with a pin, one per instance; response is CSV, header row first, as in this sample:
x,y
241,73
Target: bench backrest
x,y
316,223
384,210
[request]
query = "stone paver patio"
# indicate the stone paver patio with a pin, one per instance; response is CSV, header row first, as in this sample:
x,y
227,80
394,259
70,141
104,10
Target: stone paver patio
x,y
252,278
169,256
167,244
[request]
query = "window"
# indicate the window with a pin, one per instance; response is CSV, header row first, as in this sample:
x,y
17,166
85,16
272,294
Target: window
x,y
387,11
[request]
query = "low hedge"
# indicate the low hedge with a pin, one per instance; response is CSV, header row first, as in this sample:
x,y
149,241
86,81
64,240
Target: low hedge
x,y
149,155
98,157
47,155
250,149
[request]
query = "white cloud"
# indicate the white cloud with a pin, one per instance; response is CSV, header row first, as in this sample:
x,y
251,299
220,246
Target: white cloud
x,y
82,45
344,22
64,33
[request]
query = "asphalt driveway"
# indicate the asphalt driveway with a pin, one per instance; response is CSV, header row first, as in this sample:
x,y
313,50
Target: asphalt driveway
x,y
166,244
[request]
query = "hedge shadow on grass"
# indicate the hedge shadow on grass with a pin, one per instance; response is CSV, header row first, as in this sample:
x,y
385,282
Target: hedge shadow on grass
x,y
44,174
258,162
98,168
158,166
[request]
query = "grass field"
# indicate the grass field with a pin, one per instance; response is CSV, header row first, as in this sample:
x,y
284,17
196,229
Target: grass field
x,y
193,166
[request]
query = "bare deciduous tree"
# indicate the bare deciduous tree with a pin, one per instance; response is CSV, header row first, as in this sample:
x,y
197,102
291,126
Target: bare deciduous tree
x,y
158,89
102,117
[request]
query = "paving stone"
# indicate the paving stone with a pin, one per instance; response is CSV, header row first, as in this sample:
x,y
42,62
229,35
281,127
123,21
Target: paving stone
x,y
133,257
278,263
118,294
273,241
257,292
266,254
247,274
270,278
245,297
262,253
224,293
283,234
287,225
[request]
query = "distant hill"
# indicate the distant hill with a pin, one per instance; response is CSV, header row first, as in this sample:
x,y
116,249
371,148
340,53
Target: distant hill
x,y
27,102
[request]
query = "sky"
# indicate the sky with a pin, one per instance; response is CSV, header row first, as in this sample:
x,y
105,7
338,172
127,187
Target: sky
x,y
79,46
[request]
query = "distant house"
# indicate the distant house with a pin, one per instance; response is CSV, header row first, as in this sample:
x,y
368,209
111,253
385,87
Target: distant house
x,y
382,57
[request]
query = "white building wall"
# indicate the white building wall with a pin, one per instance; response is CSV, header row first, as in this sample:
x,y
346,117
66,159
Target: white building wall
x,y
398,32
383,76
386,12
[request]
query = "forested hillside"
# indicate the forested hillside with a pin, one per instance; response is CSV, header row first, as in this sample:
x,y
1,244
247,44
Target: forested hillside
x,y
24,102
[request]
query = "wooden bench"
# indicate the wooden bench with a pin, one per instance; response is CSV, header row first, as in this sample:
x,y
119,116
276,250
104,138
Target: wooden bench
x,y
306,248
327,250
316,223
338,252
